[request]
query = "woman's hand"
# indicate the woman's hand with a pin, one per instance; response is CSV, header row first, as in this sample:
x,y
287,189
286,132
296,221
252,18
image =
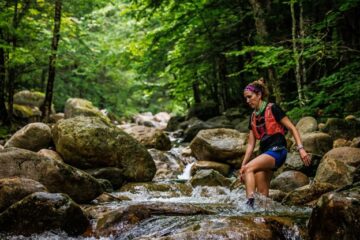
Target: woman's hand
x,y
305,157
242,173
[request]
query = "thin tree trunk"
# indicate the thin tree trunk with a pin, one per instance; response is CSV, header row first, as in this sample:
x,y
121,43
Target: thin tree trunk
x,y
296,55
52,62
3,111
196,91
302,59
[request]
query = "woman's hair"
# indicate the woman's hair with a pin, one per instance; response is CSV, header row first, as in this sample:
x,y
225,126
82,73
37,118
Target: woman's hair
x,y
258,86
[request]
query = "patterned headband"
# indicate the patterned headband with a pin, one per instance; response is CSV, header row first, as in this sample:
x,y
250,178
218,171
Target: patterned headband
x,y
252,88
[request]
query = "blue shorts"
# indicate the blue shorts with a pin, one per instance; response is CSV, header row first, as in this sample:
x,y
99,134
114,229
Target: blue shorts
x,y
279,155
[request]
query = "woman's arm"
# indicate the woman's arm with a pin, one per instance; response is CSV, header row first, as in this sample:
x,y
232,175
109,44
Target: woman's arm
x,y
303,154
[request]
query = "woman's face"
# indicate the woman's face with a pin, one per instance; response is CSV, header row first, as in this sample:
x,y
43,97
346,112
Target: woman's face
x,y
253,99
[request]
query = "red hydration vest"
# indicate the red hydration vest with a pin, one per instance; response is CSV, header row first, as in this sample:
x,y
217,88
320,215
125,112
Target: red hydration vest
x,y
271,125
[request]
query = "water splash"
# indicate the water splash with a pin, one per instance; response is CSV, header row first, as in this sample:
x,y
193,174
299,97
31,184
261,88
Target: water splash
x,y
187,172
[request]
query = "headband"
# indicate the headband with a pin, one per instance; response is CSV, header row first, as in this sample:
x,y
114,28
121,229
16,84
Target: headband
x,y
252,88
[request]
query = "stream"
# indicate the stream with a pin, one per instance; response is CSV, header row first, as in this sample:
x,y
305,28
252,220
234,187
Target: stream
x,y
223,213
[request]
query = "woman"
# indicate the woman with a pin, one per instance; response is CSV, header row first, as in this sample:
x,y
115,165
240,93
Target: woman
x,y
268,123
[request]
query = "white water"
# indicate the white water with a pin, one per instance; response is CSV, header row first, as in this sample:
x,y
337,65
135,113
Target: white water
x,y
187,172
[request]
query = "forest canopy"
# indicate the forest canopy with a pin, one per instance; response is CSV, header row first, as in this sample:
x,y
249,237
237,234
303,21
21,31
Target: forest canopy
x,y
167,55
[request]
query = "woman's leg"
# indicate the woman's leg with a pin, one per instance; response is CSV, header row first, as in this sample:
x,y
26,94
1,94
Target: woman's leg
x,y
263,162
262,181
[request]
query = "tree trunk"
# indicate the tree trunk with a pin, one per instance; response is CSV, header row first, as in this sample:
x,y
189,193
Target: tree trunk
x,y
296,56
196,91
3,111
260,9
52,61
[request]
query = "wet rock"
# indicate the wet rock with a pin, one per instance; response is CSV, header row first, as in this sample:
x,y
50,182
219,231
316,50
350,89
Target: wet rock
x,y
88,142
168,166
218,144
14,189
150,137
50,154
33,137
341,128
222,168
289,180
55,117
113,174
54,175
307,125
174,122
194,127
125,216
243,126
337,167
336,216
307,193
220,121
159,189
317,143
209,178
42,211
276,195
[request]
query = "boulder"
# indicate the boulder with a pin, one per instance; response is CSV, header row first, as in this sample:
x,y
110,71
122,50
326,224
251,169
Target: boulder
x,y
307,193
113,174
14,189
150,137
29,98
33,137
341,128
307,125
336,216
289,180
218,144
54,175
222,168
50,154
81,107
338,166
355,142
89,142
317,143
41,212
209,178
168,166
341,142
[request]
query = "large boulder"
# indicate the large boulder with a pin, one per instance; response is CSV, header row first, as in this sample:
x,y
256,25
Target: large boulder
x,y
222,168
33,137
14,189
289,180
336,216
89,142
150,137
82,107
29,98
168,166
54,175
42,211
338,166
342,128
218,144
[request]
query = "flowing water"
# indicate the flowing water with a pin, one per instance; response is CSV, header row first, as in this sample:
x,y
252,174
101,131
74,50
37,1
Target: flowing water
x,y
218,213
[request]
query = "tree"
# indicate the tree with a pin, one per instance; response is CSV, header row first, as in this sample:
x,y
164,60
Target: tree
x,y
52,61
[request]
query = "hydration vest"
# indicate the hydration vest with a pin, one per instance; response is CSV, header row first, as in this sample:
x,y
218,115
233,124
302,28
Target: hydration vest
x,y
271,125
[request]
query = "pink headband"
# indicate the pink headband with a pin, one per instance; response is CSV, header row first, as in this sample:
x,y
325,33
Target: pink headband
x,y
252,88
